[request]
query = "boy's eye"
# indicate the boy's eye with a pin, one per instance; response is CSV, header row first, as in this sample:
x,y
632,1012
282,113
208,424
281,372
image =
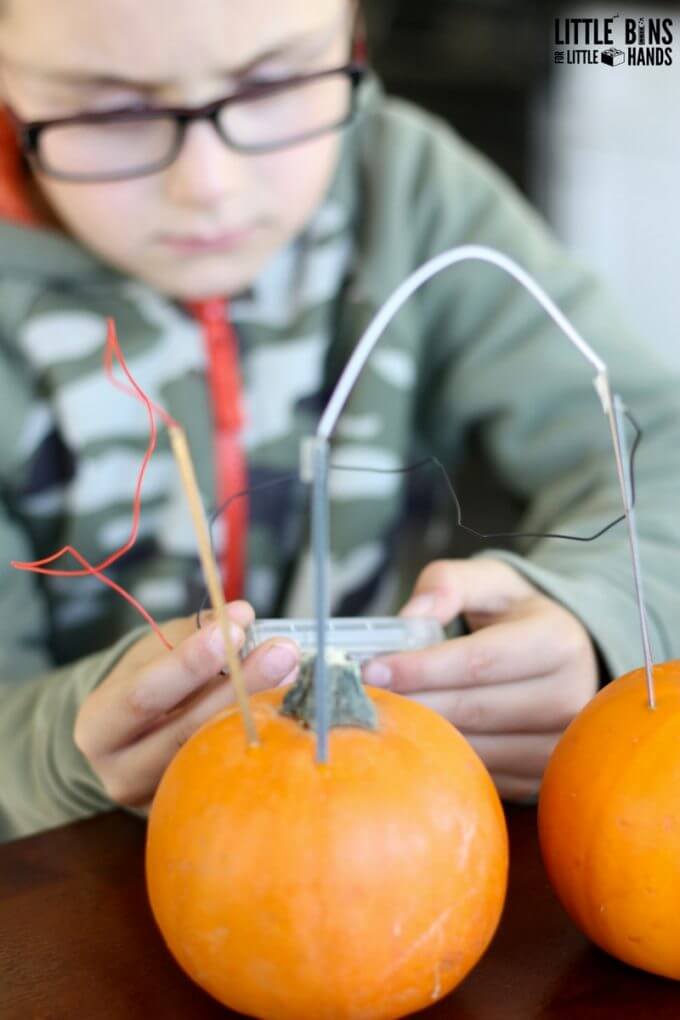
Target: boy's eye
x,y
113,100
262,77
261,80
280,71
110,107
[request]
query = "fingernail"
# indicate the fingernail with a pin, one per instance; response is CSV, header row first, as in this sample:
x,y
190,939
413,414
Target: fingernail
x,y
290,678
378,674
420,605
278,662
216,641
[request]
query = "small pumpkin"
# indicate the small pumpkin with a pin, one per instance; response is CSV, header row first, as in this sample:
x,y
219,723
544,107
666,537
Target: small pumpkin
x,y
365,887
609,820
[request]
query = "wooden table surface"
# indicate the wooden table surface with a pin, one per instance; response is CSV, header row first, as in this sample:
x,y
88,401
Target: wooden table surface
x,y
77,942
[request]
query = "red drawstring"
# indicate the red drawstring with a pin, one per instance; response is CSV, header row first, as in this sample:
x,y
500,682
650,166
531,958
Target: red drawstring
x,y
231,472
112,349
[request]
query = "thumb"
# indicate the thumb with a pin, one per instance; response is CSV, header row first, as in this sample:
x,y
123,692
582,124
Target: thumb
x,y
447,588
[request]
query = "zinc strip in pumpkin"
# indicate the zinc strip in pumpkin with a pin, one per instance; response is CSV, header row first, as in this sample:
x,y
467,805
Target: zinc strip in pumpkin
x,y
383,318
180,449
623,468
320,550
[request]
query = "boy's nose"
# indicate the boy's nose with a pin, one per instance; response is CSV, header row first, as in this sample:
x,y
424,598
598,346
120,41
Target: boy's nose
x,y
206,170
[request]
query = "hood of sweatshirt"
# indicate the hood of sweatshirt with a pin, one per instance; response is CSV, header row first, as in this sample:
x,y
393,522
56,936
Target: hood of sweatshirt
x,y
29,243
16,205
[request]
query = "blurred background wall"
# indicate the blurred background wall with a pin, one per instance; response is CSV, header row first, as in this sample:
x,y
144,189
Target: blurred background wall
x,y
597,148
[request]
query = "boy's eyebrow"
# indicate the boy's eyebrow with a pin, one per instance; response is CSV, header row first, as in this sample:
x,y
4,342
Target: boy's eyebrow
x,y
103,80
83,78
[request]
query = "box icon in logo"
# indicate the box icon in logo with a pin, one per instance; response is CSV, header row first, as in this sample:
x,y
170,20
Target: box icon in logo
x,y
612,56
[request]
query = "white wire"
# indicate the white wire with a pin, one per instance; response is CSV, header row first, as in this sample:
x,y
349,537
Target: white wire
x,y
410,285
610,406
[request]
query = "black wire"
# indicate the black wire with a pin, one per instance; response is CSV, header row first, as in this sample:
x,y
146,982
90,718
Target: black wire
x,y
509,534
636,443
459,512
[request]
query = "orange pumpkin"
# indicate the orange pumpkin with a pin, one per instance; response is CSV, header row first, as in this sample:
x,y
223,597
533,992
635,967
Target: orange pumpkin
x,y
366,887
609,820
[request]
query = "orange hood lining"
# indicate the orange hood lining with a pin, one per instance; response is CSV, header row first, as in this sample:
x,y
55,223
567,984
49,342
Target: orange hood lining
x,y
15,196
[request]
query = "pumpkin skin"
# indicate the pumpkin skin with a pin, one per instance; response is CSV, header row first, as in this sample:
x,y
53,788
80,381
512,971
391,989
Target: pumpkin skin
x,y
361,889
609,820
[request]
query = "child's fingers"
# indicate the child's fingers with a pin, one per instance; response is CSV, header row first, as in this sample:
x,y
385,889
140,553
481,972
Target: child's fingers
x,y
240,611
518,789
446,588
523,755
133,773
269,664
501,653
148,649
539,639
543,704
130,700
530,706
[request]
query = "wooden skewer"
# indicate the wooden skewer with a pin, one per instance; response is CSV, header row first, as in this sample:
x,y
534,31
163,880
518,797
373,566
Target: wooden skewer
x,y
180,449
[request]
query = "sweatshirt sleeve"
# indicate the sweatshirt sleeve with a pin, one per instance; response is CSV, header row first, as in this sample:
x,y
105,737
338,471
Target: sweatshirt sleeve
x,y
44,779
496,363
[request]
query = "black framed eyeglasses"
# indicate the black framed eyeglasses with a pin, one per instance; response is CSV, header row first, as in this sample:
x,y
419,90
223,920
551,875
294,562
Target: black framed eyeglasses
x,y
138,140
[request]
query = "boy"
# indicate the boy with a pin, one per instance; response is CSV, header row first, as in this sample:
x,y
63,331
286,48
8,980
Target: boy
x,y
158,215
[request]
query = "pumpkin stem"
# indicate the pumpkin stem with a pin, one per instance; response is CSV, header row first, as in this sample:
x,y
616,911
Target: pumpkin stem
x,y
349,704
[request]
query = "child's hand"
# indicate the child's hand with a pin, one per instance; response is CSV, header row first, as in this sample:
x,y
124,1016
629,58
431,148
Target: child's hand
x,y
514,684
132,725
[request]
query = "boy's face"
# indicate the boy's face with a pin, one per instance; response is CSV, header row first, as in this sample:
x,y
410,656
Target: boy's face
x,y
208,222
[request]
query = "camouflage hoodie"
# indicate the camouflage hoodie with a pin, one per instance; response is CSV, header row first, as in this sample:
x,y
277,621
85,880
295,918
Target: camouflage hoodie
x,y
470,353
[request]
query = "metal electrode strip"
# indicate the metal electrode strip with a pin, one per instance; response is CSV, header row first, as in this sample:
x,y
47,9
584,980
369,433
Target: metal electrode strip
x,y
626,478
427,461
354,367
320,553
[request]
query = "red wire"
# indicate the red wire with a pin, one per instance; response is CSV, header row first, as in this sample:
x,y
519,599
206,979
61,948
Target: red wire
x,y
38,566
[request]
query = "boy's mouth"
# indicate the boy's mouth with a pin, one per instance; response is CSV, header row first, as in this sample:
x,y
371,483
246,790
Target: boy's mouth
x,y
191,243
